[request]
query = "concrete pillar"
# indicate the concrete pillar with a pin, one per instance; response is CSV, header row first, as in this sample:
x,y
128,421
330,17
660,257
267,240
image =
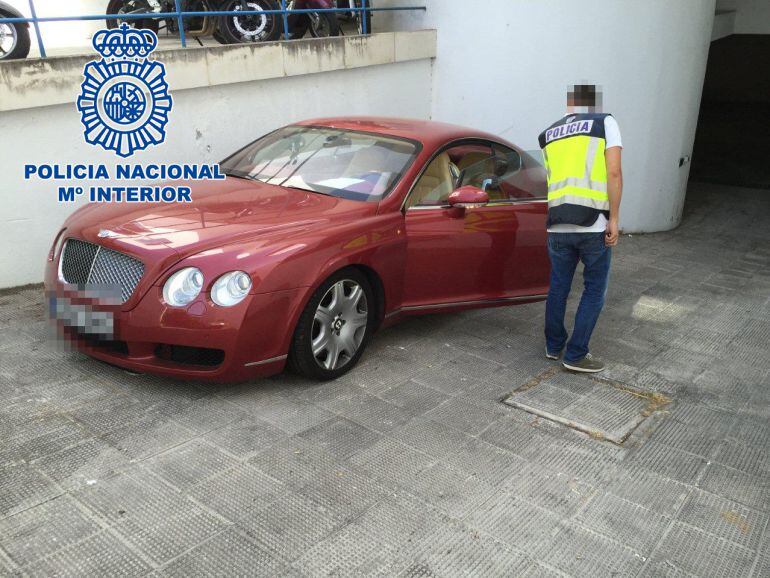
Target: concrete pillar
x,y
504,65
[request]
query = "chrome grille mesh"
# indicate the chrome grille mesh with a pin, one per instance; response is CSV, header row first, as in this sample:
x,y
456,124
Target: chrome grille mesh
x,y
83,263
77,258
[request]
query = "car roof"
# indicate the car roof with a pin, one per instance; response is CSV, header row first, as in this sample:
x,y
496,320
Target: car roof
x,y
428,132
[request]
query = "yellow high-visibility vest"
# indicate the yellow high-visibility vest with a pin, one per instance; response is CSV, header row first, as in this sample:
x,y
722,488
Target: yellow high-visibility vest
x,y
573,151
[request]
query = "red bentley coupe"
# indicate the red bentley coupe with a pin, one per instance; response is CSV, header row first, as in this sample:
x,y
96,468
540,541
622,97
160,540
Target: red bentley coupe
x,y
322,232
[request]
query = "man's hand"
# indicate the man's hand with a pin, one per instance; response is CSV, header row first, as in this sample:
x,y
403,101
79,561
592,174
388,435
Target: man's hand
x,y
612,234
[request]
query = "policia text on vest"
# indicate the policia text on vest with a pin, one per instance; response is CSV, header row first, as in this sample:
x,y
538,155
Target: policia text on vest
x,y
573,150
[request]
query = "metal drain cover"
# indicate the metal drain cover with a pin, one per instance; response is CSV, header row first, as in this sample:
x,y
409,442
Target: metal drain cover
x,y
601,408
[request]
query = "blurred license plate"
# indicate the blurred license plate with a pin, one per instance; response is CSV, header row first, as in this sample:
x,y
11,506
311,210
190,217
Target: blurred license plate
x,y
81,317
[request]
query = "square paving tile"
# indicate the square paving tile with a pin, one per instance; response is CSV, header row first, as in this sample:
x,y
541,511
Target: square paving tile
x,y
701,554
517,523
147,513
102,554
456,549
752,491
237,491
289,526
580,552
191,463
229,553
624,522
724,518
341,437
22,486
45,529
554,491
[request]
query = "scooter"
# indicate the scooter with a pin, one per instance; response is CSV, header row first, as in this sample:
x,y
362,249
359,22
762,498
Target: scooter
x,y
14,37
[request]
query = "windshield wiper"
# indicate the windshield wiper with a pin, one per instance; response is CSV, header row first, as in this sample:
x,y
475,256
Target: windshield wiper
x,y
238,175
305,190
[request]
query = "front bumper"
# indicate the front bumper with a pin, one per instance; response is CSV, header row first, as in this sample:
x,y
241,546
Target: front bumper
x,y
202,341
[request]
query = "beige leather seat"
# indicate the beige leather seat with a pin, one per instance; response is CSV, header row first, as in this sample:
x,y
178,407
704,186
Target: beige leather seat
x,y
435,185
479,167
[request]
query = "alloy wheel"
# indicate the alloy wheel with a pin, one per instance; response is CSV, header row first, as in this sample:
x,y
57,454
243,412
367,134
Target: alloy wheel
x,y
252,27
8,39
319,25
339,324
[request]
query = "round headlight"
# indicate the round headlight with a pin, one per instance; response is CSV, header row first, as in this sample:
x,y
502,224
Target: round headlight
x,y
183,287
231,288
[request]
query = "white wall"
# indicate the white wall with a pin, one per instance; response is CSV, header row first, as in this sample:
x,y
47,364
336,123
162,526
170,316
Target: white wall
x,y
724,25
751,17
69,35
207,124
505,68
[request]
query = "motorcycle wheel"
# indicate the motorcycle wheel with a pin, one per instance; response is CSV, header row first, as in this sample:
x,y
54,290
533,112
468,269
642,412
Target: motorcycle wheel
x,y
323,25
298,27
253,27
127,6
14,40
219,37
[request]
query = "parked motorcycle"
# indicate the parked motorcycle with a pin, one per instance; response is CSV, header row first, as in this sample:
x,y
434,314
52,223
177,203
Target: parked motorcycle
x,y
226,29
319,24
14,37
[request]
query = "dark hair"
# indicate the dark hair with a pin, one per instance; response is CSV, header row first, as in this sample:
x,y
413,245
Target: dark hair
x,y
582,95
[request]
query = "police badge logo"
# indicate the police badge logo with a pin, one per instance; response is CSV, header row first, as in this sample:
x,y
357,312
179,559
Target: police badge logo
x,y
124,101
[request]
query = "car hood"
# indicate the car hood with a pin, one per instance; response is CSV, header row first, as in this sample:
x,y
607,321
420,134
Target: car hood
x,y
221,212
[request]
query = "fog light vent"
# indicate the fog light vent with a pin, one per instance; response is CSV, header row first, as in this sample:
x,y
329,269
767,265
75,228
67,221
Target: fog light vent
x,y
190,355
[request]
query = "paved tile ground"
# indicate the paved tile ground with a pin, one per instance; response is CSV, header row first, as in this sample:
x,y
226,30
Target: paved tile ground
x,y
411,466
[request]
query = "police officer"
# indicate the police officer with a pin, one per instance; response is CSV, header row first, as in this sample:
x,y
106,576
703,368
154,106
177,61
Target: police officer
x,y
582,153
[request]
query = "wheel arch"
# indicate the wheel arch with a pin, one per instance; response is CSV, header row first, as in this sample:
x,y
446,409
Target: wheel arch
x,y
375,282
372,276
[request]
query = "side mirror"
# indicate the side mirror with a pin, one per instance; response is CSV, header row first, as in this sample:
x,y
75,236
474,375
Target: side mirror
x,y
468,197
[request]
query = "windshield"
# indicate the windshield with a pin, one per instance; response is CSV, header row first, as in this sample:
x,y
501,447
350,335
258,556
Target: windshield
x,y
346,164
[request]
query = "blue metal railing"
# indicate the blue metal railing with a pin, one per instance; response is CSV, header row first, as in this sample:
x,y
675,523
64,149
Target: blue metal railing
x,y
180,15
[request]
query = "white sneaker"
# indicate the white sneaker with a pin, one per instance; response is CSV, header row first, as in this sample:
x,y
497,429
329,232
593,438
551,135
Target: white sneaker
x,y
551,355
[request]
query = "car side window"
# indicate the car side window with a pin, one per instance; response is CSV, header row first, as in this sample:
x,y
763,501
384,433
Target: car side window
x,y
486,168
446,172
435,184
519,179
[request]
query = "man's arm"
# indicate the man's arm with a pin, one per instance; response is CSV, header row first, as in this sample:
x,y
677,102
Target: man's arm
x,y
612,158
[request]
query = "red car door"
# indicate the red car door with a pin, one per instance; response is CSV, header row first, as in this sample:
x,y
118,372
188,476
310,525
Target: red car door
x,y
493,252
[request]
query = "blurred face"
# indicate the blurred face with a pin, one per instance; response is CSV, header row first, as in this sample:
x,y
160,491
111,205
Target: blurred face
x,y
584,96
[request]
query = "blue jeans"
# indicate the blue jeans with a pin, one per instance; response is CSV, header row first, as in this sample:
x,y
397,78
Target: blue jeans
x,y
565,251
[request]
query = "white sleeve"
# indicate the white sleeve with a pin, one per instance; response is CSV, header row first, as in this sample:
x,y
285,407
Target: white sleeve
x,y
612,133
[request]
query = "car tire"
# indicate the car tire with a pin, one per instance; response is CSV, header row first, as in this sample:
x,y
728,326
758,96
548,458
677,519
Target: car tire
x,y
344,327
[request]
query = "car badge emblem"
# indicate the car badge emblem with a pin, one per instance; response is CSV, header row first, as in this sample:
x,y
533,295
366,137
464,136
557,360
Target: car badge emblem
x,y
124,101
106,234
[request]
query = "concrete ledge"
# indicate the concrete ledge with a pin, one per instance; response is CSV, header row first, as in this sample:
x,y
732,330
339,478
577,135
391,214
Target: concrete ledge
x,y
34,83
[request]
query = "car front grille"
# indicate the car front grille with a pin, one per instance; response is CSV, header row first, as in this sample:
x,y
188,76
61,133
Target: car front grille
x,y
85,263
